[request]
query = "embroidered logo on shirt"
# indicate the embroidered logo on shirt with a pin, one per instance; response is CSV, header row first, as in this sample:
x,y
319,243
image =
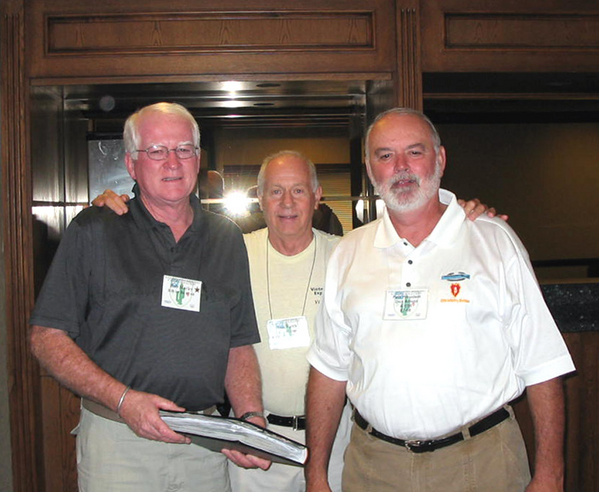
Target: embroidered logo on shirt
x,y
455,288
456,277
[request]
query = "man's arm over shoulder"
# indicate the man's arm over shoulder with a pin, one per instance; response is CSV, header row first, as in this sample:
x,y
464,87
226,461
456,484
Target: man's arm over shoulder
x,y
117,203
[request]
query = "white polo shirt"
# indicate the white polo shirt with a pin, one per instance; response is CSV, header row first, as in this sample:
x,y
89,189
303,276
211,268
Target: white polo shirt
x,y
476,334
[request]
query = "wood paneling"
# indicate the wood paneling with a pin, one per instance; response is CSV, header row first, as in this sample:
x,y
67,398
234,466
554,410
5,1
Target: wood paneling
x,y
17,247
134,38
214,32
525,32
510,36
60,416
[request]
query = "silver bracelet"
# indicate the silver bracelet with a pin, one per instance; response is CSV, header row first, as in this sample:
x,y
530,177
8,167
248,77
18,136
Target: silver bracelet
x,y
249,415
118,407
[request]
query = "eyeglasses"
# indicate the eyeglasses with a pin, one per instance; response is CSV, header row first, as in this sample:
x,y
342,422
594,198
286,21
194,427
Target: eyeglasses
x,y
160,152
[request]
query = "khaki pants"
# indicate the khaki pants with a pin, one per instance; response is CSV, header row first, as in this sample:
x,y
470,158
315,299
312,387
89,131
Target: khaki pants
x,y
110,457
494,461
287,478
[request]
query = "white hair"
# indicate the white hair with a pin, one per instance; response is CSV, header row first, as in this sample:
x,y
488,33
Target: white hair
x,y
131,136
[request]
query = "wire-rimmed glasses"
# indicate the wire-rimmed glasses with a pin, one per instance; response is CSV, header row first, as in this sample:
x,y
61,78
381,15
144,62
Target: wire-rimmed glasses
x,y
161,152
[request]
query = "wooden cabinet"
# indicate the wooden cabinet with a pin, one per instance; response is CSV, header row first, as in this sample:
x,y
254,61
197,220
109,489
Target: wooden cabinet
x,y
510,36
178,39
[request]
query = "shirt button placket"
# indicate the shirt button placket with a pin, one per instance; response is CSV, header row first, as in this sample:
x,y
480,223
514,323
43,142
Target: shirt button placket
x,y
410,262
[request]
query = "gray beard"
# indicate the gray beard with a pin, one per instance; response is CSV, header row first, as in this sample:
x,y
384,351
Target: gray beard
x,y
412,199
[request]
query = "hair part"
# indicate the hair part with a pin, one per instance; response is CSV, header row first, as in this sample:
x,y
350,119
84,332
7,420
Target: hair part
x,y
131,136
283,153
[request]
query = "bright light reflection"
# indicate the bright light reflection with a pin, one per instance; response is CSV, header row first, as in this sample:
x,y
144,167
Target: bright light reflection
x,y
232,86
232,103
236,203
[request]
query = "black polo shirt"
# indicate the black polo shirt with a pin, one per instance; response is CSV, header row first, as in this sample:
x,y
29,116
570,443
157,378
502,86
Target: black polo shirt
x,y
104,289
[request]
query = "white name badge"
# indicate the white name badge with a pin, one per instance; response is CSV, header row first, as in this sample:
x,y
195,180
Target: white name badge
x,y
406,304
181,293
287,333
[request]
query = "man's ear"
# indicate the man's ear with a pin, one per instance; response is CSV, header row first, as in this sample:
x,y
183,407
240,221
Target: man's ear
x,y
441,159
130,163
259,195
317,196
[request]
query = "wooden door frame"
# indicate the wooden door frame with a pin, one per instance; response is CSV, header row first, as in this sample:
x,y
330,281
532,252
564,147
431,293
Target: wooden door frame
x,y
23,373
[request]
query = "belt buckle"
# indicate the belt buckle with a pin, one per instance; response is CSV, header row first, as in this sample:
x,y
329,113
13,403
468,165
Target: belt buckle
x,y
416,446
295,422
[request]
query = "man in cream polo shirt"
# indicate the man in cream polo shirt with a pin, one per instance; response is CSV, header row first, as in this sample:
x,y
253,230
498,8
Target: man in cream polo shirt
x,y
287,260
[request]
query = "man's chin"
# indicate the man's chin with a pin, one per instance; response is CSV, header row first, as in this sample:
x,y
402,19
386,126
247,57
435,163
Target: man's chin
x,y
401,202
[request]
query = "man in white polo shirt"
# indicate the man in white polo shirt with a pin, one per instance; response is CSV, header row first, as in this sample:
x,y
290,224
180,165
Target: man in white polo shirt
x,y
431,324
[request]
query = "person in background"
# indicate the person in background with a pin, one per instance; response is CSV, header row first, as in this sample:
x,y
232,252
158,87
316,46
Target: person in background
x,y
151,311
326,220
431,324
216,189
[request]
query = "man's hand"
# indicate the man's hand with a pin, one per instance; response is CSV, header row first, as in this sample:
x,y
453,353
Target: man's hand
x,y
116,203
140,412
474,208
248,460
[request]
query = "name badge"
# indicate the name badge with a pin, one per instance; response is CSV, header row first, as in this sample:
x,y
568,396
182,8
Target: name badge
x,y
405,304
287,333
181,293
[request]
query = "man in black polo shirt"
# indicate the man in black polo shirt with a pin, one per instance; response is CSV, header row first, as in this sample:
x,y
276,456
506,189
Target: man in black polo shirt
x,y
151,311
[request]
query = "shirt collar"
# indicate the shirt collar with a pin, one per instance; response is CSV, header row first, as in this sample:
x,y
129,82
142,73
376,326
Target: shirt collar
x,y
146,220
446,229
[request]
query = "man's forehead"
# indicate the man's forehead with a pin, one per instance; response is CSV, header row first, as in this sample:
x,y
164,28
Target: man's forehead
x,y
406,127
156,121
287,167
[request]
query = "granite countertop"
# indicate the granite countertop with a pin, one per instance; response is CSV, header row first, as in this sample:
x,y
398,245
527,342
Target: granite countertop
x,y
574,305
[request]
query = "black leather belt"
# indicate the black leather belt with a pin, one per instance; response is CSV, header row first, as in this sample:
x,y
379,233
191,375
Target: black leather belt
x,y
425,446
296,422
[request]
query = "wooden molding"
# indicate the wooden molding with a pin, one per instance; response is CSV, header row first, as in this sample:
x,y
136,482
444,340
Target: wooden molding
x,y
16,189
510,36
210,32
408,49
186,38
556,32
